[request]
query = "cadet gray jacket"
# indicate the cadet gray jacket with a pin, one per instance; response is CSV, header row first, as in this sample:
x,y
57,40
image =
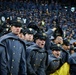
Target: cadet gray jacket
x,y
3,65
53,64
72,62
28,43
15,53
36,60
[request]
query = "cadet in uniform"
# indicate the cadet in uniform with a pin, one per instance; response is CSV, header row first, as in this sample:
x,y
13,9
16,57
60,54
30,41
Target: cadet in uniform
x,y
54,60
15,51
29,36
21,34
72,62
66,51
58,39
3,64
37,56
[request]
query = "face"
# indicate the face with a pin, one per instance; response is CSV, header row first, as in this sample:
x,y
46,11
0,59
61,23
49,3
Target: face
x,y
72,51
16,30
66,47
56,53
74,44
21,36
59,40
28,37
40,43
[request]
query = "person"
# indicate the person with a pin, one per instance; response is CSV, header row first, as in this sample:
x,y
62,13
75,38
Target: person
x,y
54,38
29,36
54,60
58,36
71,50
72,62
58,39
2,61
65,50
21,34
15,51
4,29
36,58
66,45
55,65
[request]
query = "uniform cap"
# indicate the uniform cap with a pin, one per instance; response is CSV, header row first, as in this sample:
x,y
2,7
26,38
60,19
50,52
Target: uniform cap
x,y
41,36
33,26
58,32
16,24
30,31
66,42
56,47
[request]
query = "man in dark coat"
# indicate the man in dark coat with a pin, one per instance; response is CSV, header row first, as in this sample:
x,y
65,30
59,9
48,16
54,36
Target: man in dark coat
x,y
65,51
54,59
15,51
3,67
29,36
72,62
58,39
37,56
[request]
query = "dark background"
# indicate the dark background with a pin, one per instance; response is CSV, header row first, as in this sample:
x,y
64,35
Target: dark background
x,y
63,2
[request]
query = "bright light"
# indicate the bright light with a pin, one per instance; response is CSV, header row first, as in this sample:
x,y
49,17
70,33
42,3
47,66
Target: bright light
x,y
72,9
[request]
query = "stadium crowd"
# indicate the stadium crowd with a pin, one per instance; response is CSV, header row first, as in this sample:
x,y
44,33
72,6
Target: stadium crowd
x,y
47,14
37,38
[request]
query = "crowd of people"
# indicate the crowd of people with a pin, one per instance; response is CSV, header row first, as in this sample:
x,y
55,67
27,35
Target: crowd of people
x,y
37,38
47,15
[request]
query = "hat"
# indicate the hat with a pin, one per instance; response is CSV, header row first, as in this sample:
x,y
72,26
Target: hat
x,y
33,26
22,31
66,42
41,36
56,47
73,48
16,24
30,31
58,32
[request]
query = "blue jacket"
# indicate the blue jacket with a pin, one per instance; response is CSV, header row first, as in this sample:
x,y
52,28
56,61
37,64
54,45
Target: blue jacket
x,y
64,56
72,62
36,60
53,64
15,53
3,65
28,43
